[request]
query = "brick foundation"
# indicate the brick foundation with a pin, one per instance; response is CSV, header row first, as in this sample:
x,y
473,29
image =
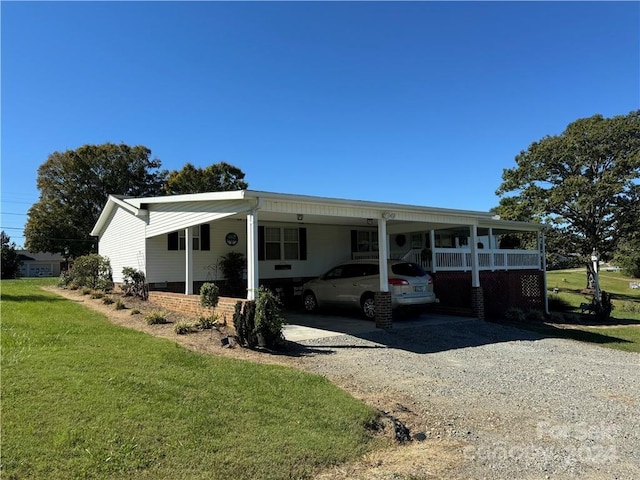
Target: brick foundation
x,y
384,315
190,305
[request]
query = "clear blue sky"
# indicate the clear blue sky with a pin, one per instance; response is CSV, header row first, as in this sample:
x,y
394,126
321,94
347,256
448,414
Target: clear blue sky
x,y
422,103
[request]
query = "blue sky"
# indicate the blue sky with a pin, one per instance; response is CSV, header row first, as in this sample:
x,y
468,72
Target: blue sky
x,y
422,103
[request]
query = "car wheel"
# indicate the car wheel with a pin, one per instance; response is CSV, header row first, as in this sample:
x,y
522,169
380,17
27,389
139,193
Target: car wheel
x,y
369,307
310,302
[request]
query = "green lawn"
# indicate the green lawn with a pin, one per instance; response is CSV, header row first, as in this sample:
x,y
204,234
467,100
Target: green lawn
x,y
83,398
626,303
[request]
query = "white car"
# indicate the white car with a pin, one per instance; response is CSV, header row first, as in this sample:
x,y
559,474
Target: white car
x,y
353,284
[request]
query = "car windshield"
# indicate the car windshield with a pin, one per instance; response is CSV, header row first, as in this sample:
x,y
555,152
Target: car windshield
x,y
408,269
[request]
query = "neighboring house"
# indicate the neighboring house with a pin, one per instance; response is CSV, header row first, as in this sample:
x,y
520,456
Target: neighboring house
x,y
178,241
39,264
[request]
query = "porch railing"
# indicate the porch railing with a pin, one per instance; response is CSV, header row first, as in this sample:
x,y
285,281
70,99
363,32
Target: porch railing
x,y
459,259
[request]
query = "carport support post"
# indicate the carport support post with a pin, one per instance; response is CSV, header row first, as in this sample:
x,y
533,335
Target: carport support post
x,y
252,254
477,295
382,298
188,256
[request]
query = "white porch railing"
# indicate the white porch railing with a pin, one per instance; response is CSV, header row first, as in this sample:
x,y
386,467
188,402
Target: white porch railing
x,y
459,259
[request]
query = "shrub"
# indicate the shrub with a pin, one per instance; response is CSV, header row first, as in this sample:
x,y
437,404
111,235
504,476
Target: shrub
x,y
107,300
534,316
120,305
92,271
207,323
97,295
244,322
134,283
156,318
182,328
135,311
514,315
85,291
64,279
268,321
232,265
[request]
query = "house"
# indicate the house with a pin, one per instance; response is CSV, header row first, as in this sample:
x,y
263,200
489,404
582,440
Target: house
x,y
178,241
39,264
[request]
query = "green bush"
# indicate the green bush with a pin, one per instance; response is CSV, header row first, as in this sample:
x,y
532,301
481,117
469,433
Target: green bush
x,y
268,320
120,305
182,328
134,283
515,315
92,271
207,323
534,316
107,300
244,322
64,279
135,311
233,265
156,318
86,291
97,295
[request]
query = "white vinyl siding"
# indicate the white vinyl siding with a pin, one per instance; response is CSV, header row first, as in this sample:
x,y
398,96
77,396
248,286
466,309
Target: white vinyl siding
x,y
123,243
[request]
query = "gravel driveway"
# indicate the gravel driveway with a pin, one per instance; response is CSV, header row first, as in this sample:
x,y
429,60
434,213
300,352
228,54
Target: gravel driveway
x,y
516,404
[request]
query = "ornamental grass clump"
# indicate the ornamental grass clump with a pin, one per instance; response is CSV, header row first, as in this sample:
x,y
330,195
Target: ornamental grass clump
x,y
156,318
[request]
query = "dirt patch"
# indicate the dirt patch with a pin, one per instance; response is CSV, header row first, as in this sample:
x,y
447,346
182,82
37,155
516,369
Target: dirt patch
x,y
425,456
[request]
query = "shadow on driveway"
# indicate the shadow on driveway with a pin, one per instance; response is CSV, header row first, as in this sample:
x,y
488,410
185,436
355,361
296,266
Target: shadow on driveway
x,y
310,334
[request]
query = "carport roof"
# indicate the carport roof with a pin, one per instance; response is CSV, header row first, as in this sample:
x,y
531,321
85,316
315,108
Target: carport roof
x,y
279,206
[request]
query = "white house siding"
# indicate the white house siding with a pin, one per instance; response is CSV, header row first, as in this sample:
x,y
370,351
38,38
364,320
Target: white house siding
x,y
123,242
163,218
165,265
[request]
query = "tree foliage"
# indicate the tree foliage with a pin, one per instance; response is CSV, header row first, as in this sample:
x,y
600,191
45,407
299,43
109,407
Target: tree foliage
x,y
10,260
74,186
580,181
219,177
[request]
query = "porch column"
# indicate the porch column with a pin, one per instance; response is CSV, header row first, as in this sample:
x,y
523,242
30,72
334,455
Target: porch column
x,y
475,271
477,295
491,242
188,256
384,317
252,254
544,272
432,244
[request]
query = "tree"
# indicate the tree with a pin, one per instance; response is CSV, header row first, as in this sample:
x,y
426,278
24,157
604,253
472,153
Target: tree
x,y
74,186
627,257
580,181
219,177
10,262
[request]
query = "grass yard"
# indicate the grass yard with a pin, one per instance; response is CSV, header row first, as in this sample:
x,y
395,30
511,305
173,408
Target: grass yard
x,y
83,398
626,312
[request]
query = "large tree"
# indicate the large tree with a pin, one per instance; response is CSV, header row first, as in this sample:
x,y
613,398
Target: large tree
x,y
219,177
581,181
74,186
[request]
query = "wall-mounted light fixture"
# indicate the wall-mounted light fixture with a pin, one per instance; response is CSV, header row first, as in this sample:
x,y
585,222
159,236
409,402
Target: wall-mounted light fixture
x,y
300,217
369,221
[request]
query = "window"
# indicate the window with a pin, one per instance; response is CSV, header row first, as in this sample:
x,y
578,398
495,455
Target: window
x,y
367,241
281,243
195,239
200,238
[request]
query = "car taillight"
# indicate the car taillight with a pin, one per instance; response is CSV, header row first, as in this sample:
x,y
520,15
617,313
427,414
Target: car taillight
x,y
430,281
397,281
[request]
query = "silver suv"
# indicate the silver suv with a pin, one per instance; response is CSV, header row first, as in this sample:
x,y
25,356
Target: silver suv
x,y
354,283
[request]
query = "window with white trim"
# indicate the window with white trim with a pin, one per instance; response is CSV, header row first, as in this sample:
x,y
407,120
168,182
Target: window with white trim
x,y
282,243
195,238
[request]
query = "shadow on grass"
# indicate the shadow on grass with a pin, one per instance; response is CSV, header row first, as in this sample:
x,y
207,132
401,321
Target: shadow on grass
x,y
32,297
549,330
